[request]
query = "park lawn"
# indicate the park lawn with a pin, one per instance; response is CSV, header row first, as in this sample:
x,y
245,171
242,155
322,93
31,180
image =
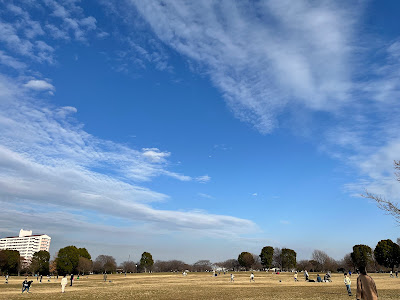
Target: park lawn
x,y
196,286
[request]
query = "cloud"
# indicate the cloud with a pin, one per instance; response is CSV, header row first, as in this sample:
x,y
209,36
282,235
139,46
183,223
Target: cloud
x,y
203,195
12,62
203,179
264,57
154,154
254,194
39,85
278,60
47,160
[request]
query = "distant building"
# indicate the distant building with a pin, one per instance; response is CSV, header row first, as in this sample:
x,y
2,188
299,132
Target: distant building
x,y
26,244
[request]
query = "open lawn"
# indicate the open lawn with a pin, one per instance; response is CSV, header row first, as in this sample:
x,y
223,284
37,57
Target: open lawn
x,y
196,286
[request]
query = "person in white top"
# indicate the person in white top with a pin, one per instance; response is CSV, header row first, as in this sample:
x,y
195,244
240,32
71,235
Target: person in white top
x,y
64,282
232,278
251,277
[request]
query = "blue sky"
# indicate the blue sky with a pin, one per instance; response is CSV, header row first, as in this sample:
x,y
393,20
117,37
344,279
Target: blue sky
x,y
199,129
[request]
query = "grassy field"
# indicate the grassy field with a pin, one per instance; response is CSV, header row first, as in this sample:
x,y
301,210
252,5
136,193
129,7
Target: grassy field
x,y
196,286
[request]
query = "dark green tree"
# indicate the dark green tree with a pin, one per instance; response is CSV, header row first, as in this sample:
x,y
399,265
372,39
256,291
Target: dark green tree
x,y
288,258
41,262
266,256
361,255
246,260
146,261
9,261
84,253
387,253
67,260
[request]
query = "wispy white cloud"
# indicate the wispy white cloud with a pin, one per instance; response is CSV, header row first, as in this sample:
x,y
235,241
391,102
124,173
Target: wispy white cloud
x,y
11,61
203,195
47,159
274,58
203,179
263,56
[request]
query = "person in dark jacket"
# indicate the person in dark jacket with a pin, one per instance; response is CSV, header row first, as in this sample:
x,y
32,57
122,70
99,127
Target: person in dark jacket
x,y
72,278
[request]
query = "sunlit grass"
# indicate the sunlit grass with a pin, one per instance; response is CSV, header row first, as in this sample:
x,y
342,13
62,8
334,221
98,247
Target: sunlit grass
x,y
196,286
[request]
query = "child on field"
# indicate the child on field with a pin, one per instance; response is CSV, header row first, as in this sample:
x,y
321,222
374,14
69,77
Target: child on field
x,y
347,282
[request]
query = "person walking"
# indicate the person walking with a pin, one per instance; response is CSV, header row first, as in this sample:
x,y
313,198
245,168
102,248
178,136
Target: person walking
x,y
41,277
64,282
25,286
7,278
391,274
366,288
72,278
252,277
105,276
295,276
232,278
347,282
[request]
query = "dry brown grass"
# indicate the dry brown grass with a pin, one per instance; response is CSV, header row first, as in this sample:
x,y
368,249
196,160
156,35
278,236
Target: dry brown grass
x,y
196,286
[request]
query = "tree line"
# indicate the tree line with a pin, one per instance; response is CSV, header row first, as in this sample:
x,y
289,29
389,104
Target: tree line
x,y
70,259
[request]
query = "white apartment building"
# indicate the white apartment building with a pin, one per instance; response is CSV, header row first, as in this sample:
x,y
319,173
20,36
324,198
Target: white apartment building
x,y
26,244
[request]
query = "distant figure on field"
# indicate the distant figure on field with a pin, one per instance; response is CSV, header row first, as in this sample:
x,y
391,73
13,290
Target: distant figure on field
x,y
397,273
347,282
105,276
41,277
64,282
184,273
72,279
306,275
319,278
252,277
349,273
391,274
327,277
366,288
295,276
25,286
6,278
232,278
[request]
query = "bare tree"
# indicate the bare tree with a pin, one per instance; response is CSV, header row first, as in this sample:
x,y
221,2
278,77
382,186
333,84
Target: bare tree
x,y
230,264
84,265
129,266
277,258
202,265
389,206
104,263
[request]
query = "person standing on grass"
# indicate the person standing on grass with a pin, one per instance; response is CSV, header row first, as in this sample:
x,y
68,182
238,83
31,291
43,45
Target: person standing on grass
x,y
105,276
64,282
347,282
232,278
72,278
7,278
25,286
252,277
397,273
366,288
391,274
295,276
